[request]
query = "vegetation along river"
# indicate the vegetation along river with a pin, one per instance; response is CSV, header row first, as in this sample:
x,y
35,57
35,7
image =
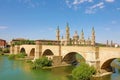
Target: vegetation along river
x,y
20,70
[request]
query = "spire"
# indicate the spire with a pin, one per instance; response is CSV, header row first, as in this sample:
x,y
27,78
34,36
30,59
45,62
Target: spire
x,y
111,43
93,37
93,31
82,35
58,28
107,43
67,26
67,32
58,33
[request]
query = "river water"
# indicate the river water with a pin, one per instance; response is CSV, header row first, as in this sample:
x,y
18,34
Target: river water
x,y
20,70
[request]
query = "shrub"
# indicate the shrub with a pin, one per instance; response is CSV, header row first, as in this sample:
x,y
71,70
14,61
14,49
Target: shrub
x,y
1,52
83,72
41,62
6,50
11,56
21,55
1,49
118,59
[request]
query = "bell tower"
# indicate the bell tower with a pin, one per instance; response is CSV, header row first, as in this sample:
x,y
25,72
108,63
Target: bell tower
x,y
67,35
58,34
93,37
82,35
67,32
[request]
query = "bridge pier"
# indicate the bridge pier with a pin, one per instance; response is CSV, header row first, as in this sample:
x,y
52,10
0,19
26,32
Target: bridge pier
x,y
97,60
38,50
12,50
98,70
15,49
57,60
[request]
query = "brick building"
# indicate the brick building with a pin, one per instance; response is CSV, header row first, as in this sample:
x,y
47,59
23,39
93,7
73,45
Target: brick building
x,y
2,43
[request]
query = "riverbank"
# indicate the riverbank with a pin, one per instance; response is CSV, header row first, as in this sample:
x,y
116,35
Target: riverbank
x,y
102,74
5,54
56,66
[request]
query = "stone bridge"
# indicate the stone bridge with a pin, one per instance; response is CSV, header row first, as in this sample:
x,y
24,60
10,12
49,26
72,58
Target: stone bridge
x,y
99,57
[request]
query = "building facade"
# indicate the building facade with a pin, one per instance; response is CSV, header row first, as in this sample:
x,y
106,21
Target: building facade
x,y
76,39
2,43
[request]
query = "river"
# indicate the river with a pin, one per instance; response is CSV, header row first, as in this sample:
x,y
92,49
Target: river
x,y
20,70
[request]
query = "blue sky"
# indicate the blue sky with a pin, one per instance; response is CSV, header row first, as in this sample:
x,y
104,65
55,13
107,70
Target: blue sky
x,y
38,19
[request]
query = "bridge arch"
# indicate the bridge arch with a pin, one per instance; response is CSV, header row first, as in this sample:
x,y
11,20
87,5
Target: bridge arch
x,y
48,53
106,66
73,58
32,53
22,50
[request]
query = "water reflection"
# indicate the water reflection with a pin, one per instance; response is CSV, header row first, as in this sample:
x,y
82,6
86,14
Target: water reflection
x,y
19,70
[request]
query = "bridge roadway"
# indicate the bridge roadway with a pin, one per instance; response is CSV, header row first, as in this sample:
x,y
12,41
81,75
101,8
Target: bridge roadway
x,y
99,57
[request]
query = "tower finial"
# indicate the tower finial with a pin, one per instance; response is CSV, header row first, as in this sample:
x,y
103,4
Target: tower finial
x,y
58,33
67,26
57,27
93,30
82,35
93,37
67,35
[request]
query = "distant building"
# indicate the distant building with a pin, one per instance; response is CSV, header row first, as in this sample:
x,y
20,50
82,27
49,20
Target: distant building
x,y
21,41
66,40
2,43
17,40
76,39
48,42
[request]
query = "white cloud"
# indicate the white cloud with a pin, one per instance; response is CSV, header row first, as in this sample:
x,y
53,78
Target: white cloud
x,y
99,5
75,3
81,1
93,8
68,3
114,22
78,4
118,9
3,27
109,0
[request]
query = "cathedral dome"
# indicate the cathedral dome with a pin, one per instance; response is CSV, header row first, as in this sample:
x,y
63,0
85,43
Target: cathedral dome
x,y
75,34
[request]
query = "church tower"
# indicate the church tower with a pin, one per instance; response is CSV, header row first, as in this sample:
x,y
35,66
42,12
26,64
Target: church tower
x,y
82,40
82,35
58,34
67,32
93,37
67,35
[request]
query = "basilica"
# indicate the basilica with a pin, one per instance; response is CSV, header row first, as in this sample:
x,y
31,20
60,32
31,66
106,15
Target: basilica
x,y
76,39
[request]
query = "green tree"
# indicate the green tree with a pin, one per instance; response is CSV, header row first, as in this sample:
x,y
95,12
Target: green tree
x,y
41,62
11,56
83,72
21,55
